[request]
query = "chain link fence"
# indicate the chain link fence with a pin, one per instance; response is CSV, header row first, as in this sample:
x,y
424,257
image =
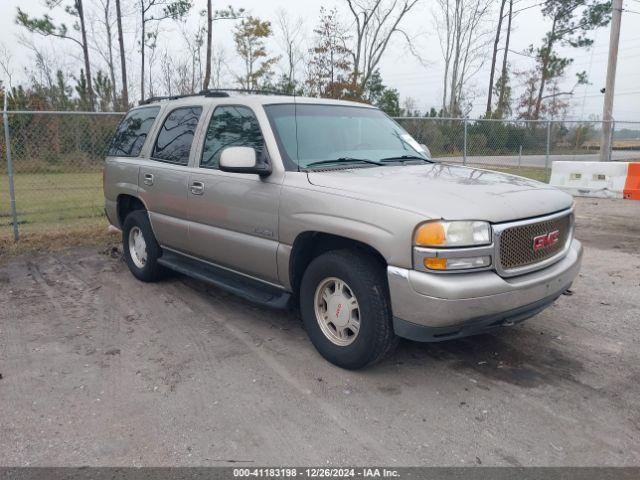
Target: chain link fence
x,y
57,158
521,147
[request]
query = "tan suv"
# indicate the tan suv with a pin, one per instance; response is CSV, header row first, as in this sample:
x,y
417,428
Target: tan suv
x,y
331,206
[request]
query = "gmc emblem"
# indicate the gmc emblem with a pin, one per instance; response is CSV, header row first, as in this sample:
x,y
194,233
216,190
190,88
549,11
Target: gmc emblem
x,y
546,240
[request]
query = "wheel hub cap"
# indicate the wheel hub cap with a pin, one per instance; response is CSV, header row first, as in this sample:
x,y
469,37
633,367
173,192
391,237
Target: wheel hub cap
x,y
137,247
337,311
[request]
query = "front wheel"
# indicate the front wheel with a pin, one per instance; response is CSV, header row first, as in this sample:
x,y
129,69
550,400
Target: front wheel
x,y
141,250
346,310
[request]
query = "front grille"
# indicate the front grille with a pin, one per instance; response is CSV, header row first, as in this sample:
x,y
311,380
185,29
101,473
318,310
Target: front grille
x,y
516,243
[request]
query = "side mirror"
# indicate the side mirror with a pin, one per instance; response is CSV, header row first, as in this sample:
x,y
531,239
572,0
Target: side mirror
x,y
243,160
426,149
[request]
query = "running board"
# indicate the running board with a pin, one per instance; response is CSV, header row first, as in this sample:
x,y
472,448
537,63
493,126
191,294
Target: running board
x,y
252,290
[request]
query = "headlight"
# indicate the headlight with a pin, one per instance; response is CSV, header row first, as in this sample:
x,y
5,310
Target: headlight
x,y
453,234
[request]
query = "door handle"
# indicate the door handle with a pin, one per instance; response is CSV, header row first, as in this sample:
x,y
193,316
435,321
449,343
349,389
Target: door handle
x,y
148,179
197,188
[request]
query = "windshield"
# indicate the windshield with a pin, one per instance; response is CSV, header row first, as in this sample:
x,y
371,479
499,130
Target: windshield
x,y
310,133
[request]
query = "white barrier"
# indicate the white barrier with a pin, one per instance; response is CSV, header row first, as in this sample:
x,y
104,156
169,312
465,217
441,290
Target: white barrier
x,y
590,179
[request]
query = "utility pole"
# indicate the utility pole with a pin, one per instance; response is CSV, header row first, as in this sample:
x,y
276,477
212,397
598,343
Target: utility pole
x,y
607,115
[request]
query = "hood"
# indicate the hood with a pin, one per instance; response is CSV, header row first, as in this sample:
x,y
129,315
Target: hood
x,y
447,191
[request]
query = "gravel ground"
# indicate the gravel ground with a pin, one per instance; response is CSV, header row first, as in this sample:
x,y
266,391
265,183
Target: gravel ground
x,y
100,369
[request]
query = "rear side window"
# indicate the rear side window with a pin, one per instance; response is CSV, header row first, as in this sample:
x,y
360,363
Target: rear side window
x,y
132,132
176,136
231,126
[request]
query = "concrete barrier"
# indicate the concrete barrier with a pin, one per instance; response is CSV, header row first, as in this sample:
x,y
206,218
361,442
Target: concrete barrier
x,y
598,179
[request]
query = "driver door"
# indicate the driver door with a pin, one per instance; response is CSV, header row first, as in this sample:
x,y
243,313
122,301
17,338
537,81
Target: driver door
x,y
234,216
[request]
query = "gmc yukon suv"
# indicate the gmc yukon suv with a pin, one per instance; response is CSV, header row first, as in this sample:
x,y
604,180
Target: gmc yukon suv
x,y
332,207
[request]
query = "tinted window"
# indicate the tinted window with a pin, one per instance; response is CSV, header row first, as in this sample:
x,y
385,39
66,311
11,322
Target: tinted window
x,y
231,126
132,132
176,136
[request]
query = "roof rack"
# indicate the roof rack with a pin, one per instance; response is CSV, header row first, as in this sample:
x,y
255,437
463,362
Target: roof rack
x,y
222,92
214,92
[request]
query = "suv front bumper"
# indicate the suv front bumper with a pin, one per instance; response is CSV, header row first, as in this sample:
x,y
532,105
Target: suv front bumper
x,y
431,307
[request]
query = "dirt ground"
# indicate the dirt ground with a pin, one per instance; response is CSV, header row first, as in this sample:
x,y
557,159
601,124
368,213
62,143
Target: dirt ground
x,y
100,369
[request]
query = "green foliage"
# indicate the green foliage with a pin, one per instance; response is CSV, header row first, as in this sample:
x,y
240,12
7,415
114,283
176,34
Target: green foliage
x,y
376,93
104,91
390,102
572,22
249,37
177,9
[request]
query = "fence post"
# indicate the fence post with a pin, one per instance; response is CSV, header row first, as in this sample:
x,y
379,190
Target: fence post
x,y
613,129
520,157
546,161
12,193
464,157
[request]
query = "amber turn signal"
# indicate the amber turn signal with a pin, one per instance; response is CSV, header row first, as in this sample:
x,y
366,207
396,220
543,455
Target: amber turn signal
x,y
431,234
435,263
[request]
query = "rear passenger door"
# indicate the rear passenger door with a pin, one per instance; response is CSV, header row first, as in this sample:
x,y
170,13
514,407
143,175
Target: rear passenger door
x,y
234,215
164,177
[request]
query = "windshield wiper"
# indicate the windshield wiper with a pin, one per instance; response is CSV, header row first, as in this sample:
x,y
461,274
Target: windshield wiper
x,y
344,160
406,157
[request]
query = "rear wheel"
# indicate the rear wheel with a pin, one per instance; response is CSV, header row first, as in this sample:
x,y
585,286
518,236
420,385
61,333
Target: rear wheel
x,y
346,309
141,250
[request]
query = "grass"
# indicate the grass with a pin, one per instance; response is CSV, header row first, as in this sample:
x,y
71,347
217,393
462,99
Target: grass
x,y
52,202
534,173
58,240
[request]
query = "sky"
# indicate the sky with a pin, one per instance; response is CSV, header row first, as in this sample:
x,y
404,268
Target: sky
x,y
422,81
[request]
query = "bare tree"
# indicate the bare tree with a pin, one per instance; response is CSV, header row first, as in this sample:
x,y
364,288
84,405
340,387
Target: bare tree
x,y
228,13
376,21
494,58
502,101
106,21
461,27
6,61
44,26
123,58
290,37
156,11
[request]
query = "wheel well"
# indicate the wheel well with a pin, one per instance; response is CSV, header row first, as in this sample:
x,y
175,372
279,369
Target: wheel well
x,y
126,205
309,245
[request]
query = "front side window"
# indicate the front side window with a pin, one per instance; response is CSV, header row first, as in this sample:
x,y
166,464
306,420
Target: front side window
x,y
132,132
176,136
231,126
310,133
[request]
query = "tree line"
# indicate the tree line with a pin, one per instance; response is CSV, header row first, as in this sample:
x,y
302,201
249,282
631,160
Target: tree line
x,y
336,55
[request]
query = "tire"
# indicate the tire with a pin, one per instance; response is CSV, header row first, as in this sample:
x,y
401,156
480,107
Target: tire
x,y
363,278
147,269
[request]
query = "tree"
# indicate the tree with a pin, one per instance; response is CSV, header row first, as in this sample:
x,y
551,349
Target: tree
x,y
228,13
249,37
44,26
504,95
290,38
330,70
390,102
494,58
106,51
571,23
376,93
156,11
376,22
104,91
123,59
463,36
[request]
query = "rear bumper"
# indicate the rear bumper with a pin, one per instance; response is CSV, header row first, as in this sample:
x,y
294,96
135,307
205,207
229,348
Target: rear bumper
x,y
434,307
